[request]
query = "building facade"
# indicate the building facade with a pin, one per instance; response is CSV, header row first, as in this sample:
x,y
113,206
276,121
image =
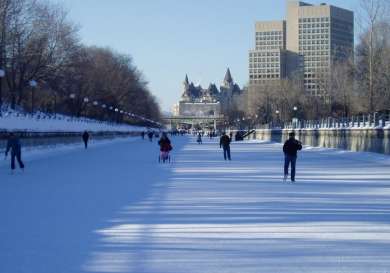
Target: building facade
x,y
305,45
199,102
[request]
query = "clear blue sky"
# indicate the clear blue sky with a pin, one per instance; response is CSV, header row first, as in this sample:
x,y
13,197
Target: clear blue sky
x,y
169,38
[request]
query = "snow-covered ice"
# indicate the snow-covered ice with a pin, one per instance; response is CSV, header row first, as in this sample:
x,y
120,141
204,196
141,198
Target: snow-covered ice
x,y
113,208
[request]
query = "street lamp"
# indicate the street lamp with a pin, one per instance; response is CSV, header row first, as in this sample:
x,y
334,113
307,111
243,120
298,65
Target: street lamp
x,y
55,104
72,96
295,118
32,84
277,112
2,75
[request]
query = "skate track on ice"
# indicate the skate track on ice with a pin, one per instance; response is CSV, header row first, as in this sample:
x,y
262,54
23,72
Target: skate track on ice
x,y
112,208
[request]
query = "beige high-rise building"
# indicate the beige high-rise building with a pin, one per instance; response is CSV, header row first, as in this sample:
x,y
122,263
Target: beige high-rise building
x,y
311,39
267,62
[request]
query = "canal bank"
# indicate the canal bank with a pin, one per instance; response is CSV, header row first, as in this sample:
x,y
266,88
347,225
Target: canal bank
x,y
375,140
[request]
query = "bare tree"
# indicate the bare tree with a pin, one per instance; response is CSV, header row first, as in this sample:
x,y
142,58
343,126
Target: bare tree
x,y
38,42
38,38
372,12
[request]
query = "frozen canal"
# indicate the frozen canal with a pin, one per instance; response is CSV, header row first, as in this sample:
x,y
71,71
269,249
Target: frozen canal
x,y
113,208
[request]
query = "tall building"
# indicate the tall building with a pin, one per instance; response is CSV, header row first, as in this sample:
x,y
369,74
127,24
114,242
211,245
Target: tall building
x,y
308,42
323,34
267,61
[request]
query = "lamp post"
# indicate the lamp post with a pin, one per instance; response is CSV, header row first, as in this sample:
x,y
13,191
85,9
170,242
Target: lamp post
x,y
277,112
86,100
73,97
55,105
243,123
116,110
2,75
33,84
295,118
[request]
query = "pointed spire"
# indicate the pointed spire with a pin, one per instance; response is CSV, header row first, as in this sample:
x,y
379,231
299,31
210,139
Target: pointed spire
x,y
186,81
228,77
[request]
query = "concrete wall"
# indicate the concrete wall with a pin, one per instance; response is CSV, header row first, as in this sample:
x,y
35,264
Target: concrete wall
x,y
367,140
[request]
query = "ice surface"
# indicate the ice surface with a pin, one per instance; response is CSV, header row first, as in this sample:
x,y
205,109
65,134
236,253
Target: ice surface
x,y
113,208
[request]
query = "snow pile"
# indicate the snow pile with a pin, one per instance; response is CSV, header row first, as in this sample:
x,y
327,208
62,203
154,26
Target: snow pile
x,y
42,122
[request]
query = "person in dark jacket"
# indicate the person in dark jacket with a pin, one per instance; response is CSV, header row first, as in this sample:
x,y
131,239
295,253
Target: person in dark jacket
x,y
224,143
143,135
85,137
165,147
290,149
150,136
13,145
199,139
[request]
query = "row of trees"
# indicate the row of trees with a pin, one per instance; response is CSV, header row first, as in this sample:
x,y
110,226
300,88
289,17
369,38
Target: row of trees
x,y
38,43
359,84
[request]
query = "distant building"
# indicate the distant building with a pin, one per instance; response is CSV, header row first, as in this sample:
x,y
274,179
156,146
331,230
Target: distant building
x,y
323,35
175,109
199,102
305,45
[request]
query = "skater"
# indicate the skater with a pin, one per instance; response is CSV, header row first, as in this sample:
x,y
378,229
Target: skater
x,y
165,147
15,147
143,135
199,139
224,143
85,137
150,136
231,135
290,148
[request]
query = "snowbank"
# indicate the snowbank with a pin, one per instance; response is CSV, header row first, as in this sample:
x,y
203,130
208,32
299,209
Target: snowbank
x,y
41,122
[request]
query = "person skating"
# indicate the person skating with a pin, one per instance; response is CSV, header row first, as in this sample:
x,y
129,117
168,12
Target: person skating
x,y
199,139
224,143
85,137
150,136
165,147
290,149
143,135
13,145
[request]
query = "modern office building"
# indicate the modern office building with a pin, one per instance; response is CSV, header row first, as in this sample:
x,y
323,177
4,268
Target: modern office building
x,y
267,62
307,43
